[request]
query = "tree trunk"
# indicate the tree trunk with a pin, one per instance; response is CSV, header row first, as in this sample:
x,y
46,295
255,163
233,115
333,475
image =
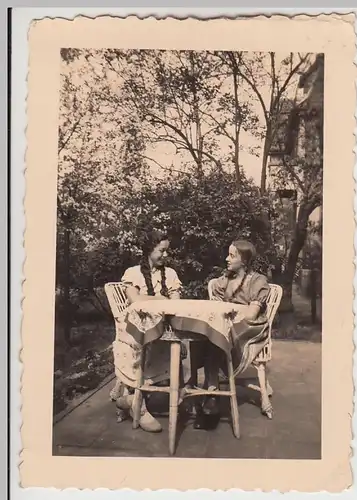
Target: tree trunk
x,y
67,314
313,296
266,151
236,126
297,244
196,114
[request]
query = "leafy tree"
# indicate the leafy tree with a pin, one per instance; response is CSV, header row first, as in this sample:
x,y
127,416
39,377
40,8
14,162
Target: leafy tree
x,y
208,216
270,80
302,169
116,109
95,169
234,112
170,93
185,100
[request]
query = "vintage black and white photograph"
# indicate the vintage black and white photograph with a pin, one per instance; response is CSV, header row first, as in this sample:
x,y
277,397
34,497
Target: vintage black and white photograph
x,y
188,280
188,316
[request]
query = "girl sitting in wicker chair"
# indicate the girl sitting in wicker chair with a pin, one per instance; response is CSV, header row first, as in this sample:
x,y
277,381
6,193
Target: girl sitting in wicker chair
x,y
240,285
150,280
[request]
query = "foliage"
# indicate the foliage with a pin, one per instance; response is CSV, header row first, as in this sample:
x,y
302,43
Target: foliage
x,y
204,216
85,374
118,109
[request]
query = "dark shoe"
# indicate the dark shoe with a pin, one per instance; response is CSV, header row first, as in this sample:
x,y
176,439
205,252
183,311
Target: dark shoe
x,y
211,406
200,423
206,422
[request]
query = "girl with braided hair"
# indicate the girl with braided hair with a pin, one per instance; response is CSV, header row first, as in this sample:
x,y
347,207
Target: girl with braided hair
x,y
150,280
239,284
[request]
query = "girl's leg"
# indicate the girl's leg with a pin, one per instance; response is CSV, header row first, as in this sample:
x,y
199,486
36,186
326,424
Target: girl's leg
x,y
211,366
208,417
197,357
127,361
123,406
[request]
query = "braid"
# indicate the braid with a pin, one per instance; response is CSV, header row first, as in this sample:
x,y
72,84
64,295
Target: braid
x,y
164,289
247,271
248,253
231,275
146,272
150,240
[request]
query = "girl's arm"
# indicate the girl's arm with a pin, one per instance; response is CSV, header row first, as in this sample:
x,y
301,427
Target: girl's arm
x,y
259,292
252,313
174,295
133,295
219,287
173,283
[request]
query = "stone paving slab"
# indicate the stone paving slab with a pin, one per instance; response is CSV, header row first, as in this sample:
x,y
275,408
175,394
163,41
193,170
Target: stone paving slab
x,y
294,433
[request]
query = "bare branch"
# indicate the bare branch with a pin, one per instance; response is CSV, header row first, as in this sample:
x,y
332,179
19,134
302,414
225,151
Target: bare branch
x,y
163,167
62,143
219,125
294,70
252,84
273,74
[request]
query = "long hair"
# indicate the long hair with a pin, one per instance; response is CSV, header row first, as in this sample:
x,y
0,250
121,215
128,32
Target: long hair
x,y
150,241
248,253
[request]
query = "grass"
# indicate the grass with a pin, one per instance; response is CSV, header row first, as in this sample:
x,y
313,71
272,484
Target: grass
x,y
288,327
297,325
85,365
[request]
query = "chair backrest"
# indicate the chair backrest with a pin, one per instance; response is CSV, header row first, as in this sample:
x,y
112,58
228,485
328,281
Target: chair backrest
x,y
274,299
117,299
273,303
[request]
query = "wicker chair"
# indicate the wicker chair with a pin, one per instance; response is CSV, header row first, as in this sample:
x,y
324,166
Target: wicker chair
x,y
265,354
118,302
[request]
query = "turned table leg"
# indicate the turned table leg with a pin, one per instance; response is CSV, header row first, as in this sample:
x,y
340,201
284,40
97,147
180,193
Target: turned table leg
x,y
174,394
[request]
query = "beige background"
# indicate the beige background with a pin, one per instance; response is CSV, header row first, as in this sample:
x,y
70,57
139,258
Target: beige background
x,y
333,35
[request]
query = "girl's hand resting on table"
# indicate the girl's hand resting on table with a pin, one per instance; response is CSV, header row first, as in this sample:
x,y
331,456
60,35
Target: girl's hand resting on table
x,y
133,295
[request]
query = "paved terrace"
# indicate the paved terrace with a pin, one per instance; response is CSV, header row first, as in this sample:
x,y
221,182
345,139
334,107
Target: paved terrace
x,y
294,433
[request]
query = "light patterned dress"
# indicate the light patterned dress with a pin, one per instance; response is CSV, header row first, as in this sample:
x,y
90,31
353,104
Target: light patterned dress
x,y
127,351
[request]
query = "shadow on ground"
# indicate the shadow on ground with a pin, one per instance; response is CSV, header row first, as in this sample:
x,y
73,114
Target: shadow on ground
x,y
294,433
